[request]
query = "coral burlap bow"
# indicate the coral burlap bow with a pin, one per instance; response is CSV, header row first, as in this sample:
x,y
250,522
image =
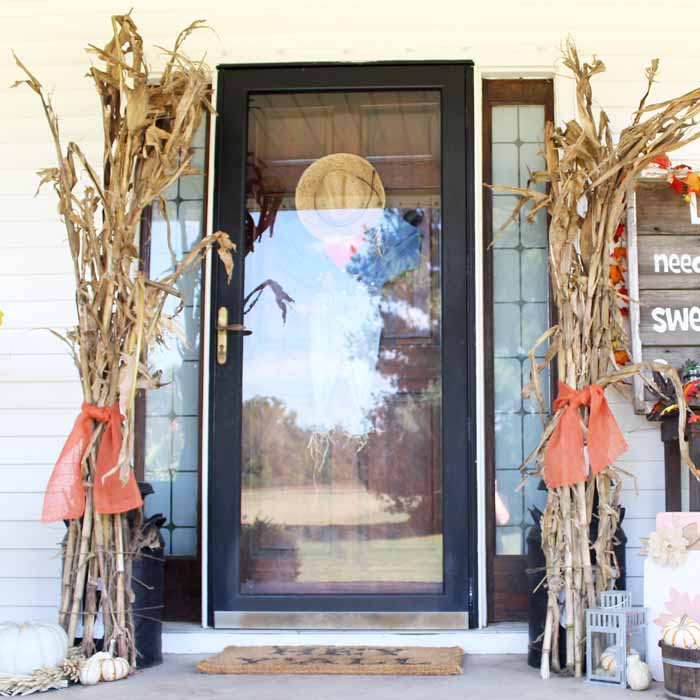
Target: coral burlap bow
x,y
65,494
564,460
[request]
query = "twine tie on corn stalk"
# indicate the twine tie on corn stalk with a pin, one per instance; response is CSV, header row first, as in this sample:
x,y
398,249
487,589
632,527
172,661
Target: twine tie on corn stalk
x,y
564,461
65,493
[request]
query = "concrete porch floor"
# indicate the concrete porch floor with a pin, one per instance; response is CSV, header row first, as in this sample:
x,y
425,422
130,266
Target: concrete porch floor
x,y
485,678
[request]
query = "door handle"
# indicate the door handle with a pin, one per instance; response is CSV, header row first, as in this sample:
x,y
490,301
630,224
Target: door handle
x,y
223,328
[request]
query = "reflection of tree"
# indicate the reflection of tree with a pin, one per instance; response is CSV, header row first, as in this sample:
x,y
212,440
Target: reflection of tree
x,y
276,450
401,462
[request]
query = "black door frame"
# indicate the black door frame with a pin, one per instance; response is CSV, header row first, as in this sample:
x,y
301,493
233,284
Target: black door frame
x,y
455,81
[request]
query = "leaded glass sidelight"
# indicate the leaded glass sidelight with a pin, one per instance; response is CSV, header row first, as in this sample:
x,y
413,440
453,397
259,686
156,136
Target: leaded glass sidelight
x,y
172,412
520,315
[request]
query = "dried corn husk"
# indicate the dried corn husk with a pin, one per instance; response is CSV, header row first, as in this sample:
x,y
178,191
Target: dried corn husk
x,y
588,177
148,129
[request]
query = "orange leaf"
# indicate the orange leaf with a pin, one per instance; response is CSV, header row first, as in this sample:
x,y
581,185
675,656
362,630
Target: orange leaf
x,y
616,275
662,161
621,357
693,182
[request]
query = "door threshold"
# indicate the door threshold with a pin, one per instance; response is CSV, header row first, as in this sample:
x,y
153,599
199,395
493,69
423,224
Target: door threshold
x,y
268,620
190,638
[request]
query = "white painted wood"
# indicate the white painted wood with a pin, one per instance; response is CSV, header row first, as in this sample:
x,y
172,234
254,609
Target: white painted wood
x,y
633,285
32,342
27,613
28,233
50,260
21,450
29,533
479,320
635,562
29,591
54,423
649,476
39,394
33,395
42,288
25,479
17,506
496,639
694,216
37,368
637,528
35,564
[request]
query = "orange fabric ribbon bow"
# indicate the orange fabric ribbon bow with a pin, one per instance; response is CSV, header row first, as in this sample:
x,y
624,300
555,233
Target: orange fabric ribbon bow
x,y
65,494
564,461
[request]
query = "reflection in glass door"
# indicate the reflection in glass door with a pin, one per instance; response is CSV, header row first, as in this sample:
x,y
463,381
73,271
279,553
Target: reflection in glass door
x,y
341,429
341,485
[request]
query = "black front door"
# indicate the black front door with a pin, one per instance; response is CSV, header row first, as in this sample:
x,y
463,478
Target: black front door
x,y
341,427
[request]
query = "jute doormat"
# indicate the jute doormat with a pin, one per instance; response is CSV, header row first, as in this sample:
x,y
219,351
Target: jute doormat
x,y
357,661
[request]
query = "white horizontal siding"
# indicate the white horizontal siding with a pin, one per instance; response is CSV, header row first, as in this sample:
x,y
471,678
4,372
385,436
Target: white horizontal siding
x,y
23,613
39,394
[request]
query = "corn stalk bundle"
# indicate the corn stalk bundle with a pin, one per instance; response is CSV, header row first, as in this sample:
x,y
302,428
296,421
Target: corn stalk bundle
x,y
148,129
588,176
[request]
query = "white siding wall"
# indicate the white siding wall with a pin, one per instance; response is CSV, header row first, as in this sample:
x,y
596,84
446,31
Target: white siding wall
x,y
39,394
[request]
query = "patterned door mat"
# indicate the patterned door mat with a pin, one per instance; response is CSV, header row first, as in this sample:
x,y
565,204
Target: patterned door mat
x,y
358,661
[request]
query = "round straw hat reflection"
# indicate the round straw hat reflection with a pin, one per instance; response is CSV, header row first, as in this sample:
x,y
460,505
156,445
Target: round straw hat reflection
x,y
339,196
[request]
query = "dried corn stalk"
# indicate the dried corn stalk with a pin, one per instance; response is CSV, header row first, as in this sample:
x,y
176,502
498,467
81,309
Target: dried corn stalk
x,y
148,129
588,176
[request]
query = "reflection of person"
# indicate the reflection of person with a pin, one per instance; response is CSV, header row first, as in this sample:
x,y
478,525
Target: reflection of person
x,y
502,514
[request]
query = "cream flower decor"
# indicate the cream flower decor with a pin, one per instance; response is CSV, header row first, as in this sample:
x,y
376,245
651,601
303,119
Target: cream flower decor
x,y
667,547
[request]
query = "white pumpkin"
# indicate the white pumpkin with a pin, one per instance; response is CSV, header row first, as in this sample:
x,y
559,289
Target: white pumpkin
x,y
682,632
27,647
638,673
608,660
91,671
114,669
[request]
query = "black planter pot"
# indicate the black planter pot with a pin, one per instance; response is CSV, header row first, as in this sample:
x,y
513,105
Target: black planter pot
x,y
148,585
537,606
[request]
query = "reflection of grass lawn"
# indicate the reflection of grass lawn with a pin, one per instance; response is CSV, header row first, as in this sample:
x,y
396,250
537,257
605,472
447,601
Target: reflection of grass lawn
x,y
417,559
325,505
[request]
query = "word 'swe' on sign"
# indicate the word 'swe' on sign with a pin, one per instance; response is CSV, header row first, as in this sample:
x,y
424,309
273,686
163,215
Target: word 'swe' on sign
x,y
664,275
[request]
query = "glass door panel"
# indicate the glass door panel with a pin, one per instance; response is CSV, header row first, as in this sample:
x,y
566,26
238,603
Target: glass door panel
x,y
341,487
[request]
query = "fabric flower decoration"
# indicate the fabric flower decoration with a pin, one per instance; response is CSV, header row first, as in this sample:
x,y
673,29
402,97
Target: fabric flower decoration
x,y
667,547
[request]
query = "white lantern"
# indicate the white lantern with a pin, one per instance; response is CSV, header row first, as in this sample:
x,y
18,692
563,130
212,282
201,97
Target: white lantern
x,y
612,635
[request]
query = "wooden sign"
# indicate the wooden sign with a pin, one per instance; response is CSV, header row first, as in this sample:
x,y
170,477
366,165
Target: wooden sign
x,y
664,275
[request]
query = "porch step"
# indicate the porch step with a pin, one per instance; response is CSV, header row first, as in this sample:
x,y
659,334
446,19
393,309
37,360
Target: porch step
x,y
190,638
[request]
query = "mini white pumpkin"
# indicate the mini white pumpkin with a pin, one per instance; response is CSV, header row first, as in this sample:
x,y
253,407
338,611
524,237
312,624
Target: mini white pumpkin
x,y
103,666
638,673
91,671
608,660
114,669
682,632
27,647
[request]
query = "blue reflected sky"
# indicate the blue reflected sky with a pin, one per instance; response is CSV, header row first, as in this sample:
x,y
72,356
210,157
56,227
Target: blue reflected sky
x,y
321,363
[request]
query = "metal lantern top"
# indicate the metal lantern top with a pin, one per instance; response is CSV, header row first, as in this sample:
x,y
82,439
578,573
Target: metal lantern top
x,y
615,599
